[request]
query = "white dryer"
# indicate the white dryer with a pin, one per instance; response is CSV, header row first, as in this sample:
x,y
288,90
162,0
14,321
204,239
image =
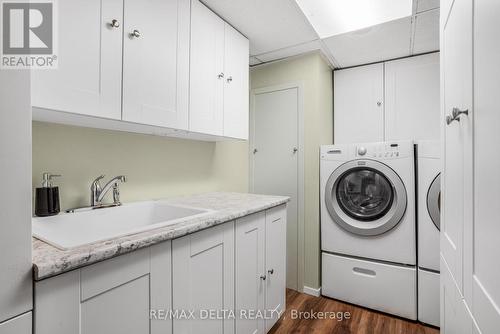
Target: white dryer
x,y
428,213
368,236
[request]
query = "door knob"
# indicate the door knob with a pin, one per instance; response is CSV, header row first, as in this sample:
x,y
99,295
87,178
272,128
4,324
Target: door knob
x,y
114,24
136,33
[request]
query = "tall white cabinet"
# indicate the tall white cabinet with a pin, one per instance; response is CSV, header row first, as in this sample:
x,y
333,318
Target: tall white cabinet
x,y
469,239
15,203
395,100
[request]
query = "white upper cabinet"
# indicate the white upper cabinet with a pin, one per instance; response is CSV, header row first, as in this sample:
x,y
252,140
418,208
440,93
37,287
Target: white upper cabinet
x,y
218,76
207,71
359,104
154,67
236,95
156,62
88,78
412,98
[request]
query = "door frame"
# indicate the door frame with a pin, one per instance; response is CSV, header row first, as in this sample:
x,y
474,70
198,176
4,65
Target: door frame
x,y
300,168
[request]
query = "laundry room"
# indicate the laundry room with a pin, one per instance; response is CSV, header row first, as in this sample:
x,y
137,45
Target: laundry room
x,y
249,167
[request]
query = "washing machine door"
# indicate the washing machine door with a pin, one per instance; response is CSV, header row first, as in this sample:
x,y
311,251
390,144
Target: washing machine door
x,y
434,201
365,197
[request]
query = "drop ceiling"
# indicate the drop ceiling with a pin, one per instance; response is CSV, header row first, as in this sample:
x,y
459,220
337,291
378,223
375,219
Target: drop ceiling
x,y
279,29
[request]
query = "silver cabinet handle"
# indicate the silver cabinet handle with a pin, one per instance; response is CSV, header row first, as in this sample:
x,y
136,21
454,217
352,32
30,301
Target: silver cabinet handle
x,y
450,119
255,150
114,24
229,79
220,75
270,271
136,33
295,150
457,112
263,277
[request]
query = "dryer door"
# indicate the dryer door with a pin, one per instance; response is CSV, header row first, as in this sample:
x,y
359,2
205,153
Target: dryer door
x,y
365,197
434,201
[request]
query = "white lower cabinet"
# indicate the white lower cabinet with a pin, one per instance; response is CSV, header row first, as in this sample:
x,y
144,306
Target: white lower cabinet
x,y
18,325
203,280
187,285
115,296
260,270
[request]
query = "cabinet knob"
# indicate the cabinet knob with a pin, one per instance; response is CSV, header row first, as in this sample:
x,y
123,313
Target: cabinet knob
x,y
136,33
114,24
270,271
379,104
263,277
229,79
456,112
295,150
255,150
220,76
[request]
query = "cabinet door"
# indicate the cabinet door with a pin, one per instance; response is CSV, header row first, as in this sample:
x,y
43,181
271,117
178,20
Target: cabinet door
x,y
455,318
88,78
275,264
250,271
482,266
156,62
203,280
236,94
359,104
128,302
412,109
457,169
19,325
207,71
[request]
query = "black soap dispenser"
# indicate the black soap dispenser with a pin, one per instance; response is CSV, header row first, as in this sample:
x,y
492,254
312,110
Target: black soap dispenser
x,y
47,197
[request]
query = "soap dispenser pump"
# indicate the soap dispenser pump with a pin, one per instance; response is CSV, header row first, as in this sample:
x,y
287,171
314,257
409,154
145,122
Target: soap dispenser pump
x,y
47,197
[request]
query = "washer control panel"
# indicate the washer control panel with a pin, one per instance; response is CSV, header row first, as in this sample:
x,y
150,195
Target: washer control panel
x,y
379,151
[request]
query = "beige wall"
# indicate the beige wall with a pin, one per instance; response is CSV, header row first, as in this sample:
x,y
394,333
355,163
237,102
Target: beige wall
x,y
316,77
156,167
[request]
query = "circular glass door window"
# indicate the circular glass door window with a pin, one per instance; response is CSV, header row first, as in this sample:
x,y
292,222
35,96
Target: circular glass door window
x,y
365,197
364,194
434,201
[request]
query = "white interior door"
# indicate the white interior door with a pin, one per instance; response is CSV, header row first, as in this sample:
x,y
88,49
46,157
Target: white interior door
x,y
486,228
457,93
275,144
359,104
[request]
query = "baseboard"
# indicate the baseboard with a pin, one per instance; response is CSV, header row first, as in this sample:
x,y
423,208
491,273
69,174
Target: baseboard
x,y
312,291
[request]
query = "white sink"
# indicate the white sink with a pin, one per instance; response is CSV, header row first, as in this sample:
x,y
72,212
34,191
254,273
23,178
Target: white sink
x,y
70,230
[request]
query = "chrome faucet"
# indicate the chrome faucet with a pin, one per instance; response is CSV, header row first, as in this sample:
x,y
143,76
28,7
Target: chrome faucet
x,y
97,192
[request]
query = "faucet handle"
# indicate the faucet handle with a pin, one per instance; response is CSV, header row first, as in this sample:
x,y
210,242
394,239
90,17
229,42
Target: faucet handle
x,y
96,181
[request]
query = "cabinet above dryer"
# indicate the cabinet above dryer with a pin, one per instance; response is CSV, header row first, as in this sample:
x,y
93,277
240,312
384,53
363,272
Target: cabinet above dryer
x,y
395,100
126,65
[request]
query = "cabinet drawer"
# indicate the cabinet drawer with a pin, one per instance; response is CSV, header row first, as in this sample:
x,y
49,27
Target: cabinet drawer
x,y
106,275
380,286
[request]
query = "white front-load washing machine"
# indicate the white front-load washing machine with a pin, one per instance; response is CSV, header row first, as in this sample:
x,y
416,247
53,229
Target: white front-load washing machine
x,y
368,237
428,213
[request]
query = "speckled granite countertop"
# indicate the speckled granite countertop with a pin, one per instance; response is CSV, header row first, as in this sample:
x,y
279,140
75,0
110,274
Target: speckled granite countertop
x,y
50,261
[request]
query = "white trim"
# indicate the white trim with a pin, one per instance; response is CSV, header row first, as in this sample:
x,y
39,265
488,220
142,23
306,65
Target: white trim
x,y
300,169
312,291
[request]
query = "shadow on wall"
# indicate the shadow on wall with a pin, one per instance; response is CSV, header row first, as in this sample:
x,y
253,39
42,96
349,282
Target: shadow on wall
x,y
156,167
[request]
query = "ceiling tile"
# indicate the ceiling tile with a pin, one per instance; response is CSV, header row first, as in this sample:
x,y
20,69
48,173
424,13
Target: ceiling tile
x,y
426,32
254,61
382,42
269,24
290,51
424,5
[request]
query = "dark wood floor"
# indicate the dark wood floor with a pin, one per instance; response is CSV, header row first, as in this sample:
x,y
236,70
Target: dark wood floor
x,y
362,321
